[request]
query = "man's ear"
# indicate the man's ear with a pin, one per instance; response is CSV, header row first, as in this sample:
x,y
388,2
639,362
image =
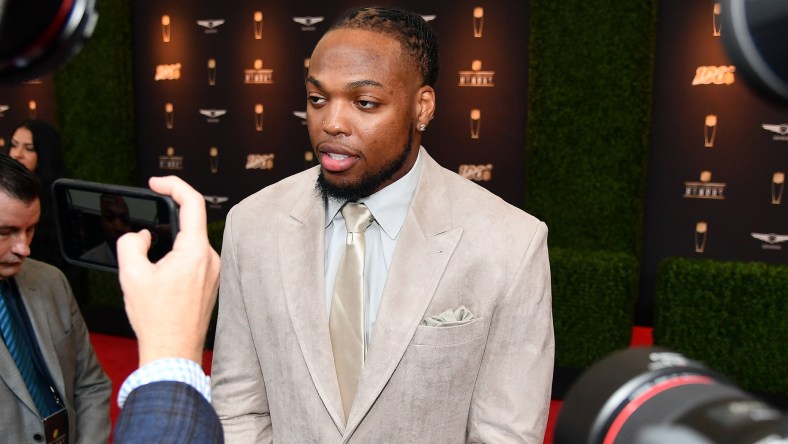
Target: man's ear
x,y
426,105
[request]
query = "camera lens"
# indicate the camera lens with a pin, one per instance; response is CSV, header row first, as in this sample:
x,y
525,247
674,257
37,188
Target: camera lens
x,y
648,394
37,37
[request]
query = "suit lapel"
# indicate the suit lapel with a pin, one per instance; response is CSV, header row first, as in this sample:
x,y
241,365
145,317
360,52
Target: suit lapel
x,y
301,249
36,311
426,243
35,303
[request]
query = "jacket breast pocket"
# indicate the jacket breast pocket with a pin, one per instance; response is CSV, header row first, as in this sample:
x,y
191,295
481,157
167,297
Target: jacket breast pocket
x,y
448,336
440,367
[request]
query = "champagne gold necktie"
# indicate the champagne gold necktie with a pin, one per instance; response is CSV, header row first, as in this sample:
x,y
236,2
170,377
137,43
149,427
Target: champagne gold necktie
x,y
346,319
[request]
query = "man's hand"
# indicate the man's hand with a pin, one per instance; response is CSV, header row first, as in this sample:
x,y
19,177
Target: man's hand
x,y
169,303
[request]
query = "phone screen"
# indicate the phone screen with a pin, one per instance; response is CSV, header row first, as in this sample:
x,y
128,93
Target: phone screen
x,y
91,217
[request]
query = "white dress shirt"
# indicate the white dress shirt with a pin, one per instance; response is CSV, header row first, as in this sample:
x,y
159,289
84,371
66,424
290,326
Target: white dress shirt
x,y
389,207
167,369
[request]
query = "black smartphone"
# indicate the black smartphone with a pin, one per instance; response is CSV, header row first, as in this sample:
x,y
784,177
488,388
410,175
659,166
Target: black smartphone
x,y
92,216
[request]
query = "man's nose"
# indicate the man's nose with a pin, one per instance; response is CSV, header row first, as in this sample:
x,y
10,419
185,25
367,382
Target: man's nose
x,y
335,122
21,246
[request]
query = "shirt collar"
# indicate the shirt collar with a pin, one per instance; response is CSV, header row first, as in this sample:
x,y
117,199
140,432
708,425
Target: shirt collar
x,y
388,206
8,288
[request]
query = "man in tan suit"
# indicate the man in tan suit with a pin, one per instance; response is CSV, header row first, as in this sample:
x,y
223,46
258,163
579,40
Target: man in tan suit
x,y
457,332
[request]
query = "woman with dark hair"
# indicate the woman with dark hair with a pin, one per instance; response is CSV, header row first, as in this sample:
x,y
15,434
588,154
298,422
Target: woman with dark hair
x,y
36,144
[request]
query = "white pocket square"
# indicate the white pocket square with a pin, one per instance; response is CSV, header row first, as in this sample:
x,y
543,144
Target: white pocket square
x,y
449,318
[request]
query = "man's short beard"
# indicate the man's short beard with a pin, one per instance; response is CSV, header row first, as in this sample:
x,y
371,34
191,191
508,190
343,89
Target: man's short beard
x,y
366,184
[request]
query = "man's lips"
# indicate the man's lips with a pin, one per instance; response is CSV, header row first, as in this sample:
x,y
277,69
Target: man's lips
x,y
335,158
10,264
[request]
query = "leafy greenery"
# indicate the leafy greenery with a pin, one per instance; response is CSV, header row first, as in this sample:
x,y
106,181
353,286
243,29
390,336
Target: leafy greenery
x,y
593,302
95,101
215,234
104,289
95,111
729,315
590,99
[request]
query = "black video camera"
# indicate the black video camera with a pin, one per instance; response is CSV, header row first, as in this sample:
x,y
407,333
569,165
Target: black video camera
x,y
652,395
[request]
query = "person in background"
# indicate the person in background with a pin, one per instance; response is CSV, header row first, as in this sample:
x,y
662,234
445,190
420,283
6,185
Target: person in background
x,y
379,297
169,306
115,221
53,387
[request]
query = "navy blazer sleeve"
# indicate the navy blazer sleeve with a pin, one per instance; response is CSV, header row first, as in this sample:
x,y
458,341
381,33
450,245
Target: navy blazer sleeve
x,y
167,412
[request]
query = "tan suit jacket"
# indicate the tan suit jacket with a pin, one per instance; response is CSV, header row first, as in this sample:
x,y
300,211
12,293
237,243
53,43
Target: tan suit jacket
x,y
65,346
485,381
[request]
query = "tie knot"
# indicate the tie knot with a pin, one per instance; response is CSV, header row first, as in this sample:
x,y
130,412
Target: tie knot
x,y
357,217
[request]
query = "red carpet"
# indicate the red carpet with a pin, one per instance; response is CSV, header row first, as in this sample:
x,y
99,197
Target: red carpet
x,y
119,358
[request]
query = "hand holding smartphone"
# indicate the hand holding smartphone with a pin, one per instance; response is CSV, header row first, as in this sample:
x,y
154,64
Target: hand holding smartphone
x,y
169,303
92,216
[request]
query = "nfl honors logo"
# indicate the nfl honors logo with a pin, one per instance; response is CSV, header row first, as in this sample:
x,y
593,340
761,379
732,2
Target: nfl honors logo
x,y
170,161
258,75
476,77
705,188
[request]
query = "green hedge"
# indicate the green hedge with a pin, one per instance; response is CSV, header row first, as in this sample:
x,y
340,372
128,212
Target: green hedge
x,y
593,304
731,316
95,111
589,117
104,289
215,234
94,93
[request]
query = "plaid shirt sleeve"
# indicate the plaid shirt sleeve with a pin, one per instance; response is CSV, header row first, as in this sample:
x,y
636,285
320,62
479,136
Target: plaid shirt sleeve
x,y
167,369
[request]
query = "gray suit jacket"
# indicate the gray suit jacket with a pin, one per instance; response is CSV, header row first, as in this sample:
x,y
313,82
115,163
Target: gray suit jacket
x,y
486,381
69,356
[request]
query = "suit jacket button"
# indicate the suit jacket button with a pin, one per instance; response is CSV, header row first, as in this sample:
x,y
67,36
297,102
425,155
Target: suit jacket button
x,y
38,437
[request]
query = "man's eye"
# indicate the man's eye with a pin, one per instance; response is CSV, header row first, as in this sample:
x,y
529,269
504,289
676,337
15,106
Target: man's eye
x,y
366,104
316,100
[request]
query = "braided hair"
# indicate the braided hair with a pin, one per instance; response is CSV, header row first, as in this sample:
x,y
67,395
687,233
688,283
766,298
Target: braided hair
x,y
418,41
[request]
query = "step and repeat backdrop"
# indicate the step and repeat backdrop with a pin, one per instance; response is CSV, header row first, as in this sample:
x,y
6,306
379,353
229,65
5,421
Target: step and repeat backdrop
x,y
34,99
719,152
221,100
